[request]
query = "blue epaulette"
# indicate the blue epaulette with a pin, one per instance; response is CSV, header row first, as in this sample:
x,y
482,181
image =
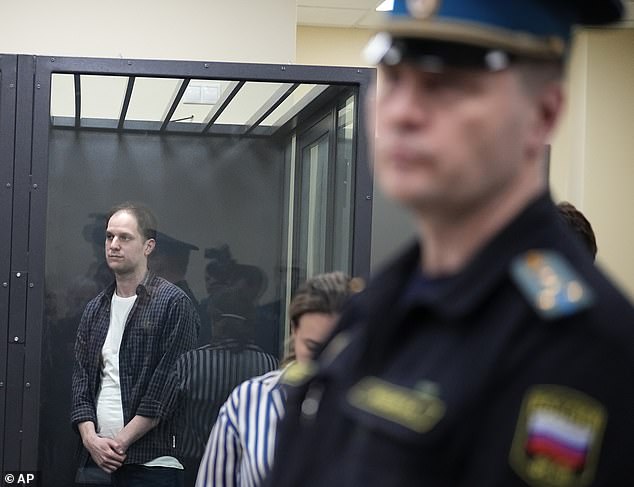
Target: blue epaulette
x,y
550,284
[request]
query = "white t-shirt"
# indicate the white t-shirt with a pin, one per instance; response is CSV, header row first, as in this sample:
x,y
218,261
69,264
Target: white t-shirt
x,y
109,405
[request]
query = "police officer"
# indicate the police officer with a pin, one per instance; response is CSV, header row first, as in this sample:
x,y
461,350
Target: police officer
x,y
492,352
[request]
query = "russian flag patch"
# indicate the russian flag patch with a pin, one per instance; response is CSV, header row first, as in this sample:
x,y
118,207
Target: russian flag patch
x,y
558,437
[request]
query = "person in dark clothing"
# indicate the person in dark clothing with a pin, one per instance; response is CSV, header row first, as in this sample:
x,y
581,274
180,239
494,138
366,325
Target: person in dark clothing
x,y
492,352
128,341
207,375
170,260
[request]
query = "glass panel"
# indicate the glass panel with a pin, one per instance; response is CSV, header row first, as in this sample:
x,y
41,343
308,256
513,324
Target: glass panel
x,y
289,271
226,212
314,206
343,193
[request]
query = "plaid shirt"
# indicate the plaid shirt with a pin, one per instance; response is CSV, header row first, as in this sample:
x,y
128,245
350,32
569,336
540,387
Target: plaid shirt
x,y
162,325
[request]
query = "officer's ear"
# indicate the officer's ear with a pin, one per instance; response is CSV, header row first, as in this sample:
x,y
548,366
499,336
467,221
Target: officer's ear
x,y
549,104
149,245
545,95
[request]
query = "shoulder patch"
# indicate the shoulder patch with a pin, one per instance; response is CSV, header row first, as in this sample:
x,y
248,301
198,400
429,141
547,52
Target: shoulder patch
x,y
418,409
558,437
550,284
297,374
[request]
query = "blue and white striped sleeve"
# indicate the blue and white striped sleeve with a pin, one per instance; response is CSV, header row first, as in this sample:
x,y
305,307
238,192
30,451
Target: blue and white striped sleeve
x,y
242,442
220,464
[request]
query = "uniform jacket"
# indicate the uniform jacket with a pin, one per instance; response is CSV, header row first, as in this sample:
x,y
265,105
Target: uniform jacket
x,y
467,382
161,326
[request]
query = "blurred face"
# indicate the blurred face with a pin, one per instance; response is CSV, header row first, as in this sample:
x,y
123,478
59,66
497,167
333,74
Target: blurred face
x,y
126,249
310,333
451,140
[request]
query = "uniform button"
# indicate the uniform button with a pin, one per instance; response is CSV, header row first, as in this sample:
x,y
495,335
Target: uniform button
x,y
310,406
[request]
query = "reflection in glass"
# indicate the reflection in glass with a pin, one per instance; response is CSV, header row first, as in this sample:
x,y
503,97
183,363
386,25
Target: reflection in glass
x,y
222,201
343,191
314,206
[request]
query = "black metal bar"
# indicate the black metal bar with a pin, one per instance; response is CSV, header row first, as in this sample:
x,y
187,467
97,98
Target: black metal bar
x,y
176,99
282,93
14,416
142,126
13,412
307,117
126,101
8,92
35,287
331,178
229,94
77,78
310,97
210,70
363,182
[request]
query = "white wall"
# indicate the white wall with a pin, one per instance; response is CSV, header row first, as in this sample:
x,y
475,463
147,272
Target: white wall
x,y
331,46
210,30
592,163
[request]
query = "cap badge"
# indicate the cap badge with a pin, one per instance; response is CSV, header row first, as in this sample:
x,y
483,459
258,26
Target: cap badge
x,y
422,9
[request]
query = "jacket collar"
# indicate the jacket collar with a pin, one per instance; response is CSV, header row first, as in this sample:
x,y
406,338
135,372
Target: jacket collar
x,y
145,288
466,289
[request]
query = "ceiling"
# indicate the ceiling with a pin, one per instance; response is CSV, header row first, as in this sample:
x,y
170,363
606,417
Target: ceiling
x,y
361,13
338,13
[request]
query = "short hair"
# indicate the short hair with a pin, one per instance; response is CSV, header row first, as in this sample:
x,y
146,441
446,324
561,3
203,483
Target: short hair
x,y
146,221
324,293
579,225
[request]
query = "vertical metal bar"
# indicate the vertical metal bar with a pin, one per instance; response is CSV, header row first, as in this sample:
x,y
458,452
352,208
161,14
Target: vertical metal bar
x,y
35,283
19,261
8,80
362,157
330,176
176,99
126,101
269,107
229,94
77,78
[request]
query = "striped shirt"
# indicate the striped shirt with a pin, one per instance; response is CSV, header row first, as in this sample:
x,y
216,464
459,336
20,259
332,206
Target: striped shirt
x,y
206,377
242,442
